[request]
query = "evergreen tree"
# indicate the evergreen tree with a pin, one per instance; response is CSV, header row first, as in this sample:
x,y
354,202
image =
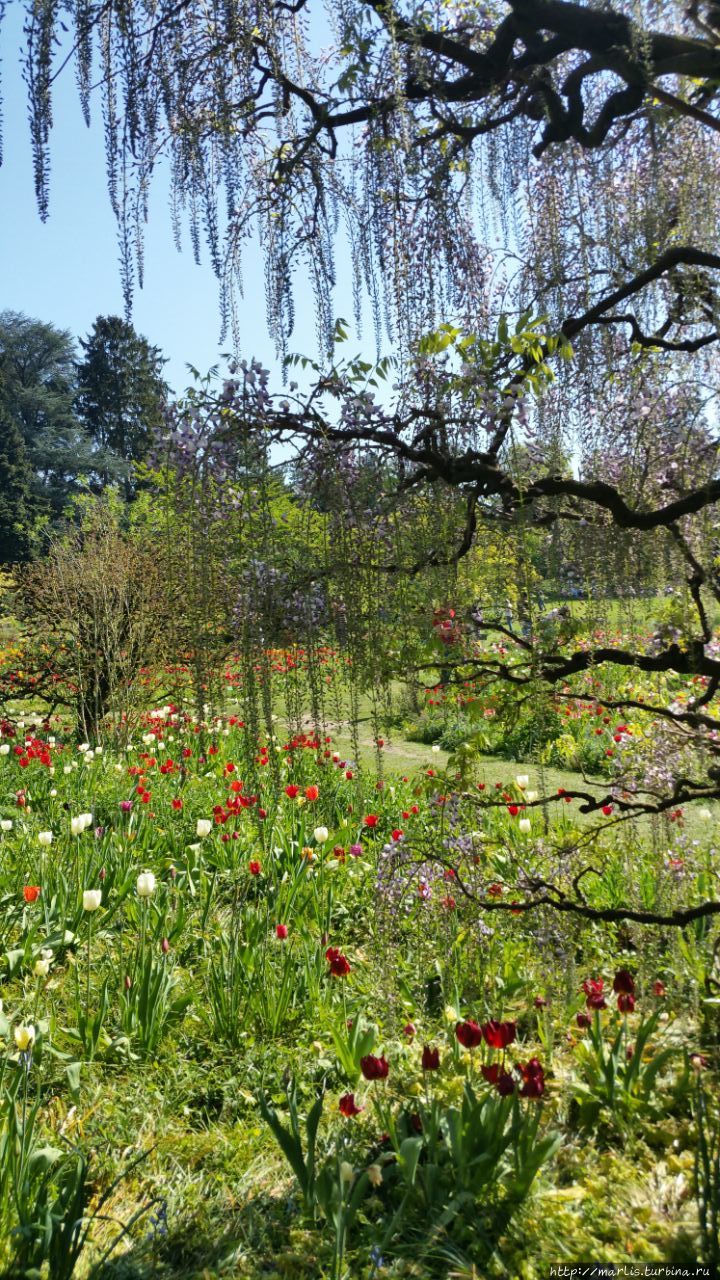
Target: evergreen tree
x,y
121,393
37,391
15,494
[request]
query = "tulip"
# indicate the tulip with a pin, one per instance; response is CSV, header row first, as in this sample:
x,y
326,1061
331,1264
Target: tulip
x,y
41,968
24,1038
31,892
347,1173
623,983
145,884
204,827
339,964
281,931
4,749
77,826
430,1059
348,1107
374,1175
45,838
92,899
374,1068
6,824
522,780
498,1035
469,1034
525,826
320,835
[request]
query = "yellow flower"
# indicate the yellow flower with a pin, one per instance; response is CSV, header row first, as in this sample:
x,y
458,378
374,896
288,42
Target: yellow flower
x,y
24,1038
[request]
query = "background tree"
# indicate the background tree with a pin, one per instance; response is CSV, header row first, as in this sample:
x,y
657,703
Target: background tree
x,y
120,394
37,391
16,506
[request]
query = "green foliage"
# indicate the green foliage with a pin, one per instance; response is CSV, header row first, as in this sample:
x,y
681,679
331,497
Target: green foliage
x,y
37,392
619,1075
120,396
16,505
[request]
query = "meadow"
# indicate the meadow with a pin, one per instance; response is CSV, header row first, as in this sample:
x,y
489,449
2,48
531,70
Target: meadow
x,y
273,1010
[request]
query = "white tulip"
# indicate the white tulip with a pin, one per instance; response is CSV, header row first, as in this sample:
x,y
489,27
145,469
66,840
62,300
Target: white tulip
x,y
6,824
77,826
145,884
98,751
24,1038
4,748
45,838
67,769
86,819
320,835
204,827
84,746
347,1173
53,791
525,826
89,757
92,899
522,781
531,797
41,968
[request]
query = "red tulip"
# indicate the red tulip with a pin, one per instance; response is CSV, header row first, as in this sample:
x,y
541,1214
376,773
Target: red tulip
x,y
31,892
339,964
282,931
254,868
659,989
498,1035
374,1068
291,790
625,1002
430,1059
593,988
623,983
469,1034
348,1107
583,1020
505,1085
312,793
533,1079
370,820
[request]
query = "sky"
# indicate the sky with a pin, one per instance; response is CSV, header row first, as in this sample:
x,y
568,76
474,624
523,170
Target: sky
x,y
66,271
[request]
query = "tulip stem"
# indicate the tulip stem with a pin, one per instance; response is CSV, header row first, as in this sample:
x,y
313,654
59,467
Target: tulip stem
x,y
87,988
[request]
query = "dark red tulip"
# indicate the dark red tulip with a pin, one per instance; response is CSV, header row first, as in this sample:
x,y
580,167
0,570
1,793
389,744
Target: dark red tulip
x,y
374,1068
623,983
430,1059
469,1034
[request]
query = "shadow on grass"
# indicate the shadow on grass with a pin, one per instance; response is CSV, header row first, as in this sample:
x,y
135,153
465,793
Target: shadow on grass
x,y
253,1242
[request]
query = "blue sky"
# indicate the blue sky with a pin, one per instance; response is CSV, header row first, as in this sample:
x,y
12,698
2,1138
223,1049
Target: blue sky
x,y
66,270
